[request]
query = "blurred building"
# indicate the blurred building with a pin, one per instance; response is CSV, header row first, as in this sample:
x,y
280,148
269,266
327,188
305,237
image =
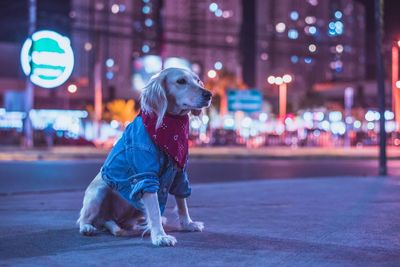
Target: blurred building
x,y
51,15
207,33
103,37
314,40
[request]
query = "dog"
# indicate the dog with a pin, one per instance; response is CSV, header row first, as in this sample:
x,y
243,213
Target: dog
x,y
127,197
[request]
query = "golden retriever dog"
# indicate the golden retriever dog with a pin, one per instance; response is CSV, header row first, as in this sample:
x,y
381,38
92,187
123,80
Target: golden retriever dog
x,y
128,196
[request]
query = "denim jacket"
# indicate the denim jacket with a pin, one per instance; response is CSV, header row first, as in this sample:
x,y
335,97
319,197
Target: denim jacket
x,y
136,166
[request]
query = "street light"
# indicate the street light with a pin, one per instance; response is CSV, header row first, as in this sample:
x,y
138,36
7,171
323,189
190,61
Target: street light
x,y
282,82
396,82
72,88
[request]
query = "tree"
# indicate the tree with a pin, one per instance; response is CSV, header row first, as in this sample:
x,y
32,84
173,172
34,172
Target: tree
x,y
122,111
218,86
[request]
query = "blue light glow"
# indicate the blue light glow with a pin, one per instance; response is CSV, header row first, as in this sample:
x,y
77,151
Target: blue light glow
x,y
294,15
218,65
213,7
335,28
338,14
110,62
308,60
146,9
145,48
109,75
293,34
148,22
122,8
294,59
339,24
312,30
218,13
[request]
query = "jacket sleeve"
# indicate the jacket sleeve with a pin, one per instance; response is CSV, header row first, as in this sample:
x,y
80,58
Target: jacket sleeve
x,y
146,166
180,186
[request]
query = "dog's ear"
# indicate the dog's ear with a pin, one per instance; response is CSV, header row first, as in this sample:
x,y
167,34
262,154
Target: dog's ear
x,y
154,99
196,112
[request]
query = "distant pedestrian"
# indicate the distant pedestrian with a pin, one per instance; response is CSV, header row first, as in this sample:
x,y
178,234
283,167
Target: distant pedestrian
x,y
49,135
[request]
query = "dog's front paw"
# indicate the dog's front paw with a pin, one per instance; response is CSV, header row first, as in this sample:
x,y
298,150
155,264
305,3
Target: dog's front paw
x,y
163,240
87,229
192,226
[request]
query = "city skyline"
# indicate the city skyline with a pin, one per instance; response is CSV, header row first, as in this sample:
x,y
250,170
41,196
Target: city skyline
x,y
290,39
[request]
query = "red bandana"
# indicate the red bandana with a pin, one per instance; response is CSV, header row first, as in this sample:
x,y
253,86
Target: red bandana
x,y
172,136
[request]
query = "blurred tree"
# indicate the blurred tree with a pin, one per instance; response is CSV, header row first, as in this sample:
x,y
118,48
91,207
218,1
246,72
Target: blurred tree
x,y
218,86
105,115
122,111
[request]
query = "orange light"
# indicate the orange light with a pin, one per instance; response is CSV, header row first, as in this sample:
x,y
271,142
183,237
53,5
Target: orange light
x,y
398,43
282,100
396,84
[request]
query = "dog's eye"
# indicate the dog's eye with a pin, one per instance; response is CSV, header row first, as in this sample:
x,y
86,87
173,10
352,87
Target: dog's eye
x,y
181,81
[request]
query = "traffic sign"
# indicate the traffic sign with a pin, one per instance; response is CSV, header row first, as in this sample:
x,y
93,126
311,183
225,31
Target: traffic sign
x,y
244,100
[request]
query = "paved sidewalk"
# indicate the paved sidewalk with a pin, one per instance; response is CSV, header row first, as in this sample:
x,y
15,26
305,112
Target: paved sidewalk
x,y
344,221
57,153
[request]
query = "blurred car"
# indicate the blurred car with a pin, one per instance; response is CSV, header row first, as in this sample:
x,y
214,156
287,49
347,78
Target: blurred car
x,y
224,137
80,141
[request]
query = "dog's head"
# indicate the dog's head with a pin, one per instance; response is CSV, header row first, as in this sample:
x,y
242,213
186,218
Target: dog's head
x,y
176,91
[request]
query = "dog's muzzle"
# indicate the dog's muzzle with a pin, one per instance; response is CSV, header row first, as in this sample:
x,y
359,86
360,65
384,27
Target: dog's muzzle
x,y
206,95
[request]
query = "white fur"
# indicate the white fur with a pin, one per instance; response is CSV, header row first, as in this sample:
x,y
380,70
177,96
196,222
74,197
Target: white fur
x,y
164,94
154,99
104,208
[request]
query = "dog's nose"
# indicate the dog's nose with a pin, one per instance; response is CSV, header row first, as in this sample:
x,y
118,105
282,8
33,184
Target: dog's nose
x,y
207,94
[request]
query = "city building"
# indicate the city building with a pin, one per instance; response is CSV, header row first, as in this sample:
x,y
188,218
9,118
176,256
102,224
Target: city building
x,y
315,41
207,33
102,37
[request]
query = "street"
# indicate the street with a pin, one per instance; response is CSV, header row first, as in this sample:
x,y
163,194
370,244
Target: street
x,y
286,212
334,221
288,113
27,176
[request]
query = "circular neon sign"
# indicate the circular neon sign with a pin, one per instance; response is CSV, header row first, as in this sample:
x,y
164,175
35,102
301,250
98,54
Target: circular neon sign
x,y
47,58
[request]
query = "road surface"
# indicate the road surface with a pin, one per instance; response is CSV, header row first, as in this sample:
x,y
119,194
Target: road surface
x,y
27,176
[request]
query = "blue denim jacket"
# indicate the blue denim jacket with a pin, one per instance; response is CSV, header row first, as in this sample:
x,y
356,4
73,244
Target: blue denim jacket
x,y
136,165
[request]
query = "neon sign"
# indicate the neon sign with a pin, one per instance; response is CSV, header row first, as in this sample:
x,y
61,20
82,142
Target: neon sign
x,y
47,58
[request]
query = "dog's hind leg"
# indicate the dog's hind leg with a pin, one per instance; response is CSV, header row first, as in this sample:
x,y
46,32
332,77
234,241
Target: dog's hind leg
x,y
94,196
114,228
